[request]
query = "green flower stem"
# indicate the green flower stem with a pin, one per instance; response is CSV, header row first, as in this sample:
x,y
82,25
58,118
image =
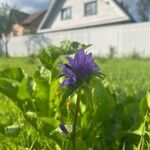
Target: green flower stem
x,y
75,123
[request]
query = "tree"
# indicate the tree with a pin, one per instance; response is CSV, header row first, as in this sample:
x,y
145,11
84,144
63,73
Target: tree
x,y
143,9
125,6
7,20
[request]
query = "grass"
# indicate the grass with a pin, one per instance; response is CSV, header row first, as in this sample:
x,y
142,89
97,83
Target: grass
x,y
29,64
131,75
127,74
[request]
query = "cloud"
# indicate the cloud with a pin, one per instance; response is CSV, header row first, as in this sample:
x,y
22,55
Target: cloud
x,y
28,5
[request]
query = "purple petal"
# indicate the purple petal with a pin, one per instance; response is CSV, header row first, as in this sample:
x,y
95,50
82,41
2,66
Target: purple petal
x,y
67,72
65,82
61,65
72,79
69,81
63,128
95,68
71,61
79,56
89,56
79,68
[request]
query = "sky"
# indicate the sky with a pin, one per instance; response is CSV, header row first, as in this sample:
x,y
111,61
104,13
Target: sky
x,y
35,5
28,6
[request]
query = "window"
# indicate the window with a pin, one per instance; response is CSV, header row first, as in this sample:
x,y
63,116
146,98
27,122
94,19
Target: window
x,y
66,14
90,8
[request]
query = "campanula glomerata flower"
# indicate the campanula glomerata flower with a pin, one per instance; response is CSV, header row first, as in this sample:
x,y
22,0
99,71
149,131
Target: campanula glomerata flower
x,y
79,69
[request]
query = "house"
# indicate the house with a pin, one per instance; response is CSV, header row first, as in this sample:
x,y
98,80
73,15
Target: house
x,y
17,17
18,29
104,24
67,15
25,23
32,22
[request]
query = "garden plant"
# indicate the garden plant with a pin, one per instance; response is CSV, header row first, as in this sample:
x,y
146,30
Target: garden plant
x,y
68,104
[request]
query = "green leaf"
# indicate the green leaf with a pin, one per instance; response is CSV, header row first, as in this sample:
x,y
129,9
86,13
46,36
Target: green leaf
x,y
86,97
9,89
24,92
41,94
26,88
65,95
80,145
148,100
67,47
42,88
12,73
103,100
54,89
145,104
12,130
48,56
2,128
130,115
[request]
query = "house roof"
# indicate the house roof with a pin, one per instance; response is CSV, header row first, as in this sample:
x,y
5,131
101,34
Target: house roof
x,y
32,17
19,16
125,11
47,15
54,3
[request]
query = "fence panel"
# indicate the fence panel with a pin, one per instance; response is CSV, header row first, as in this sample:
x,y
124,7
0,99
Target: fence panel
x,y
126,39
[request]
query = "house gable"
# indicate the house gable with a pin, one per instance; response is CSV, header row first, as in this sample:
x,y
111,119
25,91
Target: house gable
x,y
108,12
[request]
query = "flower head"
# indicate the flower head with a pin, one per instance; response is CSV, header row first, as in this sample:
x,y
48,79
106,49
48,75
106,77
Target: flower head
x,y
79,69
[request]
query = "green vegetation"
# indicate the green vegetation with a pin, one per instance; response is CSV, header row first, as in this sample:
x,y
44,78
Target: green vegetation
x,y
114,112
29,64
127,74
130,75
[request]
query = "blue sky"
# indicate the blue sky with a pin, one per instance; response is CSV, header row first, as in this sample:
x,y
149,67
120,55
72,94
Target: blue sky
x,y
28,5
35,5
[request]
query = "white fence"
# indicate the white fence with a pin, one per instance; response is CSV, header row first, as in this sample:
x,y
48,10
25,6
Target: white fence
x,y
126,39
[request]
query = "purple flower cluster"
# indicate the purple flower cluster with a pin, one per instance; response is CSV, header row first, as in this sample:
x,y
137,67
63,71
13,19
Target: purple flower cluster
x,y
79,69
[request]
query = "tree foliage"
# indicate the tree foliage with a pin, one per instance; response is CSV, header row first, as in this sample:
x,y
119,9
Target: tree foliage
x,y
143,9
7,20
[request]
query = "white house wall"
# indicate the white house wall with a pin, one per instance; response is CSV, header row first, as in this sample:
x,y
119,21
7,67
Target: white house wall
x,y
125,39
107,12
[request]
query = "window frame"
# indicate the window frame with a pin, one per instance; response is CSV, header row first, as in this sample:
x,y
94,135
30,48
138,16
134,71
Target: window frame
x,y
62,12
96,8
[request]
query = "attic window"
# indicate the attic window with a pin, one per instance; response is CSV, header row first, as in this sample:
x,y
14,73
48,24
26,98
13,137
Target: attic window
x,y
90,8
66,13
